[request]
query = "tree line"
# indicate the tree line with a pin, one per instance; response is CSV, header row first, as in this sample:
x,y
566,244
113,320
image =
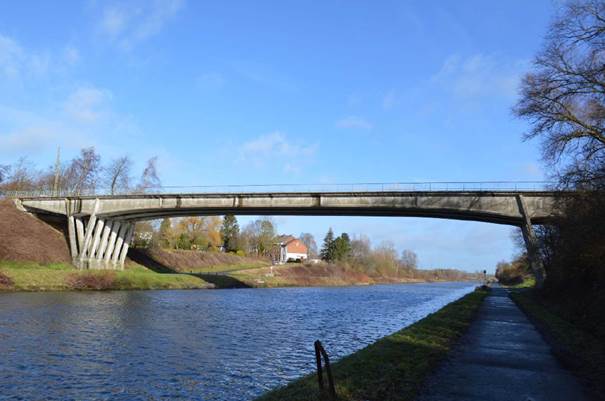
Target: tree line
x,y
359,254
563,99
86,173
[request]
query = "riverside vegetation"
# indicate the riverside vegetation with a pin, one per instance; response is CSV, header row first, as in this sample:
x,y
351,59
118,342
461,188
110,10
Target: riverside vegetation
x,y
563,99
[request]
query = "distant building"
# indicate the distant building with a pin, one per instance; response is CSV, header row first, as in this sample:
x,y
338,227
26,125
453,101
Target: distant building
x,y
291,249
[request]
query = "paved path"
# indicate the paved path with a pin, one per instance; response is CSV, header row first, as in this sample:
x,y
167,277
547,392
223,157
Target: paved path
x,y
502,357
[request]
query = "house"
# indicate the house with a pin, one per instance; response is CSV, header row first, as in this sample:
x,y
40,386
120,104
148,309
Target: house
x,y
291,249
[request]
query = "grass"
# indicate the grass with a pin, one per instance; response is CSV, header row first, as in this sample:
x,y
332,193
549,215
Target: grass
x,y
394,367
577,349
228,268
528,282
27,276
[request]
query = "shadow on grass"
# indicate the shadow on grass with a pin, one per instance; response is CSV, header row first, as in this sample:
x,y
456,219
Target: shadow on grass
x,y
219,280
143,259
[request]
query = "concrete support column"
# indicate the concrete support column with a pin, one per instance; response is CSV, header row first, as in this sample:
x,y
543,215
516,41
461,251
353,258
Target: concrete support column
x,y
93,258
119,242
92,220
80,233
111,243
71,233
531,243
104,240
126,245
88,236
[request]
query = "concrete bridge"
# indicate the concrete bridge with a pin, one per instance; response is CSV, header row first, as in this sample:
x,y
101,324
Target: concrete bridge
x,y
100,228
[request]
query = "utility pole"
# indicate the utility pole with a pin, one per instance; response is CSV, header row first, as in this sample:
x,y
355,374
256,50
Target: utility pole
x,y
57,172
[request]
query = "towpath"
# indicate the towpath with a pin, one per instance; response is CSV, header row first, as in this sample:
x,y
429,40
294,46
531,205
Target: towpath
x,y
502,357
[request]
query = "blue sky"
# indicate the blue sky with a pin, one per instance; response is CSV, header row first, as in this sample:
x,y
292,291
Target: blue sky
x,y
240,92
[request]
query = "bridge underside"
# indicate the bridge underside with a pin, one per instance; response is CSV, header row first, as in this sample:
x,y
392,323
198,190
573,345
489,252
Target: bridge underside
x,y
341,211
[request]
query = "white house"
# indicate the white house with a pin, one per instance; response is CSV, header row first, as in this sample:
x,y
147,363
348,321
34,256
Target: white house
x,y
291,249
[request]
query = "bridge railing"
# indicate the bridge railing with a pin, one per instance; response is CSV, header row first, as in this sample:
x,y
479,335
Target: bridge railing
x,y
429,186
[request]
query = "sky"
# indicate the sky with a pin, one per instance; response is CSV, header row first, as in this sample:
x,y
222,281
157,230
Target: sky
x,y
266,92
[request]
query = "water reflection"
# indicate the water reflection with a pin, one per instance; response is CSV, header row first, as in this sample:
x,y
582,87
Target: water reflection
x,y
202,345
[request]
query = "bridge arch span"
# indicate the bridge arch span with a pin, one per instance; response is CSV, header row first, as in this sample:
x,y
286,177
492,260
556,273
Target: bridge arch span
x,y
101,227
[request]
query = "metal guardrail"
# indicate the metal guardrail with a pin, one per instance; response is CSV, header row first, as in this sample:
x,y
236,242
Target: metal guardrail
x,y
432,186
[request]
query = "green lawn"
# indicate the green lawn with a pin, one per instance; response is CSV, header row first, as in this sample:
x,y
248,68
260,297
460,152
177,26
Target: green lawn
x,y
574,347
394,367
27,276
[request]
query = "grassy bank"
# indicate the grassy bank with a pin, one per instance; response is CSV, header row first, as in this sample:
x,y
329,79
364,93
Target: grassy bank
x,y
394,367
320,275
576,348
29,276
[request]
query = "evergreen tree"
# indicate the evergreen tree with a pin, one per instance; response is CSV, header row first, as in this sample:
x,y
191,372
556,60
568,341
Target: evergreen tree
x,y
342,247
327,249
230,233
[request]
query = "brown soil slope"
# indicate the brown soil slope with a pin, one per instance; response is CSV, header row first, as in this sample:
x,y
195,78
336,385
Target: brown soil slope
x,y
28,239
181,260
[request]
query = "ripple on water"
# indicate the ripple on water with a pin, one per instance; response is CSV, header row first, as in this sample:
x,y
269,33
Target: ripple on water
x,y
192,345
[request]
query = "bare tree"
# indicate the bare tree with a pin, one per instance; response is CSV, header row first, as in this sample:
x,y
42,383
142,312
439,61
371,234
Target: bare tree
x,y
4,173
83,171
564,96
310,243
150,178
117,174
409,259
21,176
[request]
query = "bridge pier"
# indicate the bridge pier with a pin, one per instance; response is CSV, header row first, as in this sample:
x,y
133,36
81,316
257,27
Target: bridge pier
x,y
99,243
531,243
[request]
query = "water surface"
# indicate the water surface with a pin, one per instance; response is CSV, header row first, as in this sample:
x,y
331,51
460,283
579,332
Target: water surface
x,y
192,345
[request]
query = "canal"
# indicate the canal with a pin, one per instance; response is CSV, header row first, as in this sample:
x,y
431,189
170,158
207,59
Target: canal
x,y
222,345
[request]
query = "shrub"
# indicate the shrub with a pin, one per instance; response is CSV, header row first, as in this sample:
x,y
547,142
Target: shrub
x,y
5,281
102,280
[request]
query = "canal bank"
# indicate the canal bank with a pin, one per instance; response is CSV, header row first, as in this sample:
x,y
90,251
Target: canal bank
x,y
31,276
394,367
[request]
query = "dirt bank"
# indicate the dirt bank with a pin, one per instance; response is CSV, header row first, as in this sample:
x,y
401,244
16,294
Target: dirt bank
x,y
25,238
197,261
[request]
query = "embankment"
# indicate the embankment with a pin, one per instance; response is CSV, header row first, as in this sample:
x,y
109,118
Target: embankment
x,y
30,276
394,367
24,238
184,261
324,274
34,257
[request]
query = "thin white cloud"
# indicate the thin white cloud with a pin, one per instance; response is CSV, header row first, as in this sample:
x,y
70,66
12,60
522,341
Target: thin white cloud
x,y
354,122
19,66
87,104
17,63
480,75
277,148
11,57
128,24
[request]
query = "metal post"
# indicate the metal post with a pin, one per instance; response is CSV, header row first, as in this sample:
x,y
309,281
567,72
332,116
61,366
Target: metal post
x,y
320,378
319,352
